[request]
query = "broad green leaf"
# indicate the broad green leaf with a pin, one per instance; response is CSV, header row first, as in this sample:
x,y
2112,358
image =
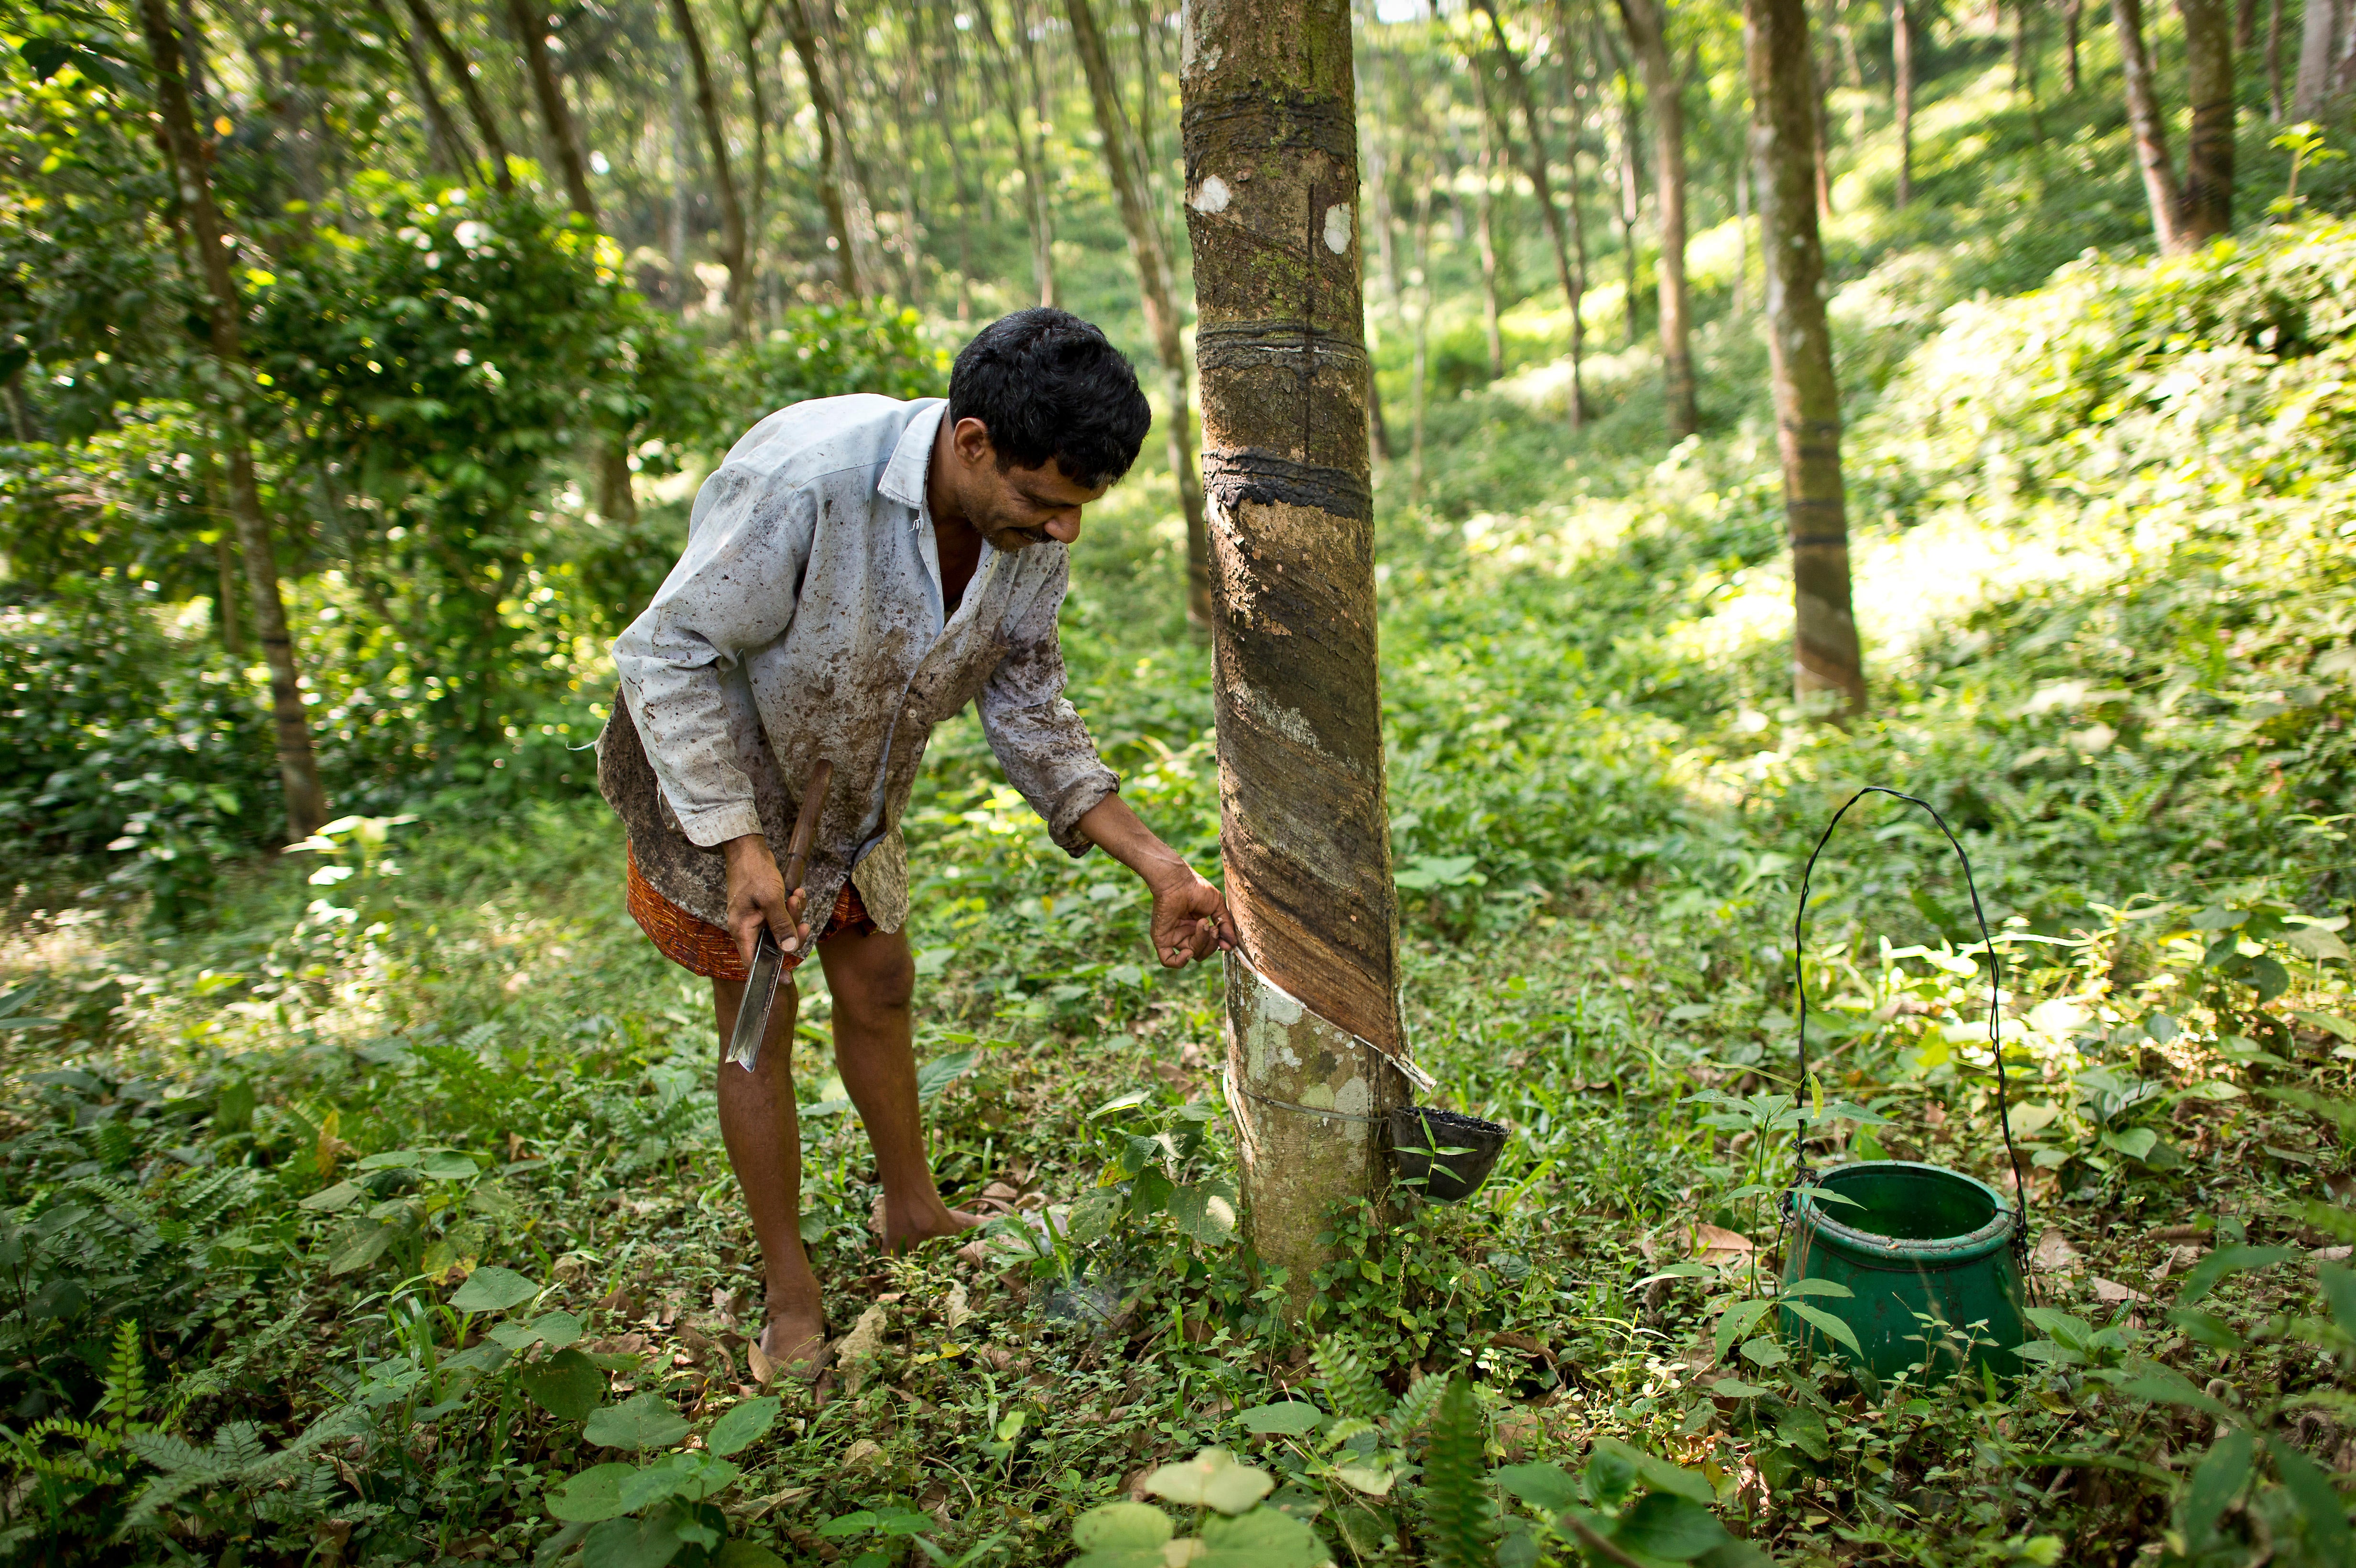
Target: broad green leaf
x,y
2202,1276
1211,1479
693,1477
1206,1216
493,1290
448,1165
1123,1525
1735,1388
2315,942
1674,1529
1764,1352
1832,1327
649,1542
567,1384
393,1159
861,1523
1543,1486
739,1552
1291,1417
593,1495
1373,1480
643,1421
743,1426
1658,1473
1737,1322
2134,1142
1121,1103
2215,1483
1817,1288
329,1200
937,1075
361,1246
1264,1538
2162,1386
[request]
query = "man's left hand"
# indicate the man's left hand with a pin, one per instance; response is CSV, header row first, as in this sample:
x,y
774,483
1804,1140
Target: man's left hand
x,y
1190,919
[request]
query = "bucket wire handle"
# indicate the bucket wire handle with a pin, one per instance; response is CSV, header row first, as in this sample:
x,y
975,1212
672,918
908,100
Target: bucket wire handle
x,y
1995,1022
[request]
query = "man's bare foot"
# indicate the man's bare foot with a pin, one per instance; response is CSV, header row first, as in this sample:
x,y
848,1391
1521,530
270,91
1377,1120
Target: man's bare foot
x,y
902,1232
796,1342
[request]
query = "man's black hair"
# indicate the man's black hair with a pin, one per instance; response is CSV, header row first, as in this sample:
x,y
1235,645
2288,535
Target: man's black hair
x,y
1050,385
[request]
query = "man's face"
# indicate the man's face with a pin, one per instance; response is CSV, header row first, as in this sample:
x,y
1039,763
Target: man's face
x,y
1016,508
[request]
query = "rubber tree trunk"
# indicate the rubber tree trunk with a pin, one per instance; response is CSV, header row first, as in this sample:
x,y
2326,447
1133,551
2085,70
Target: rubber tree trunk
x,y
1484,218
1271,189
1028,157
1647,25
450,151
531,23
2320,30
1534,164
2184,217
298,767
1825,660
830,146
723,179
1901,92
477,109
1147,251
2072,16
2207,204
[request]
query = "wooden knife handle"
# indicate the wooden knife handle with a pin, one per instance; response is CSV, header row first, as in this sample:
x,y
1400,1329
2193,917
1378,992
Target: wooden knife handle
x,y
798,847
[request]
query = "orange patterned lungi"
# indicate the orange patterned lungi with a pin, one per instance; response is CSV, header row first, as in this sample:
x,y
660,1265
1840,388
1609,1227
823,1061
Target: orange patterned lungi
x,y
703,948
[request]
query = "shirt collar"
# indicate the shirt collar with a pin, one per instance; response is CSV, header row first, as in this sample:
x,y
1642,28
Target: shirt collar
x,y
904,476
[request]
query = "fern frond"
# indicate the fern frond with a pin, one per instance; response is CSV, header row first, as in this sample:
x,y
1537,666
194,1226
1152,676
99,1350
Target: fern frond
x,y
126,1377
161,1493
1456,1502
1415,1406
173,1454
1348,1384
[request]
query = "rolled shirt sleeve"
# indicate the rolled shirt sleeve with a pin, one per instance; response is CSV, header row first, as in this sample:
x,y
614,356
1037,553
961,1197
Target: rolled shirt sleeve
x,y
734,590
1037,734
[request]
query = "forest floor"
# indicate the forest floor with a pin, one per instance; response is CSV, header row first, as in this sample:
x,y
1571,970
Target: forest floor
x,y
401,1178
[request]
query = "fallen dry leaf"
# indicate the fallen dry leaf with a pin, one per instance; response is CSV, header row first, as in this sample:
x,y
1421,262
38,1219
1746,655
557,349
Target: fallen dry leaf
x,y
2054,1255
2331,1255
764,1370
866,1451
958,1308
1717,1245
2112,1290
856,1349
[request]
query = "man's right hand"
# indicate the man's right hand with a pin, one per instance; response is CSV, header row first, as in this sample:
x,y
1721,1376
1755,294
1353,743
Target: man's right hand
x,y
757,896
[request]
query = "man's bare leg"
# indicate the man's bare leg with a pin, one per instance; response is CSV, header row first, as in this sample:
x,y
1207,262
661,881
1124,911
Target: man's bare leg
x,y
871,978
758,1124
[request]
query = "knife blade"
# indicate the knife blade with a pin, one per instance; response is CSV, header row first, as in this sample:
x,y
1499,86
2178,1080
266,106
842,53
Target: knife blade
x,y
768,957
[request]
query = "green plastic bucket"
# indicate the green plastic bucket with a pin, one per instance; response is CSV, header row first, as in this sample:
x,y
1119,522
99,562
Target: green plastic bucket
x,y
1923,1242
1933,1259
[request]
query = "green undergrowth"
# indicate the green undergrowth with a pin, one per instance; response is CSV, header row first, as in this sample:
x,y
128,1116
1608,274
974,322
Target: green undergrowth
x,y
379,1217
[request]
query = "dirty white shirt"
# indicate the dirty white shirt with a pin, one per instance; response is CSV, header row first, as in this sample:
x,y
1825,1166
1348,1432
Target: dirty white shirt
x,y
805,620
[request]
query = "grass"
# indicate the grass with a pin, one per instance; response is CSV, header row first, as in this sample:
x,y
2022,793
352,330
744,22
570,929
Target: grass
x,y
269,1176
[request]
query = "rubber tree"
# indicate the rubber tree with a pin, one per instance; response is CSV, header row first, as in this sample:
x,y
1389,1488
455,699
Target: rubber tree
x,y
830,150
298,765
2184,215
1828,671
1030,151
1534,164
1902,93
1647,22
1125,167
529,20
1271,192
723,178
486,125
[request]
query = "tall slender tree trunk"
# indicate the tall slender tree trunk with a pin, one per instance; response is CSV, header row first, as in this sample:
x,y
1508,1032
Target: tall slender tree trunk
x,y
2186,216
530,24
1419,359
2274,61
2072,20
2208,202
1631,192
1647,25
1534,163
225,618
450,151
298,767
2245,23
1162,322
1271,190
2322,25
1485,231
756,211
723,179
1901,92
829,144
1042,120
486,126
1826,663
1028,157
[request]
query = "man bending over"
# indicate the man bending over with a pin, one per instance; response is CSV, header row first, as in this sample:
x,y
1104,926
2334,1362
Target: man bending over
x,y
856,570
